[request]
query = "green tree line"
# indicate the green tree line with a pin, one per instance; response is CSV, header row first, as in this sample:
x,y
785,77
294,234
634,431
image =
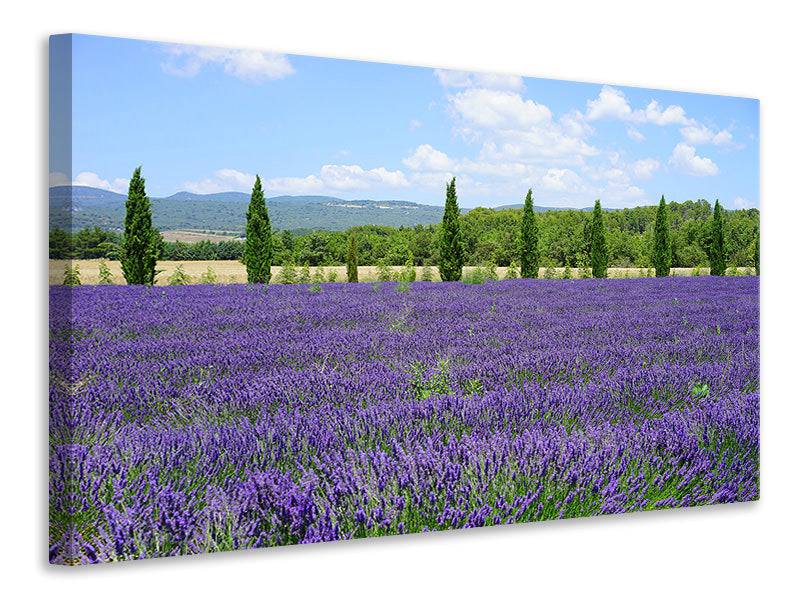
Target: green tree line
x,y
488,236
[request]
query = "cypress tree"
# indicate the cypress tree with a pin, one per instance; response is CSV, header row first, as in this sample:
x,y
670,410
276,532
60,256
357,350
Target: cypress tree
x,y
662,253
529,240
352,260
141,245
258,241
717,251
599,250
757,253
451,251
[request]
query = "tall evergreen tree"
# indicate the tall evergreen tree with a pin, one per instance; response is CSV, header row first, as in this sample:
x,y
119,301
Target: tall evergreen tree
x,y
142,243
258,241
717,251
662,252
757,253
529,240
599,249
352,260
451,250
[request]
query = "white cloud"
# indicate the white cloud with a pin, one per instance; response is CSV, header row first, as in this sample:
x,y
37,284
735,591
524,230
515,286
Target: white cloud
x,y
684,157
464,79
742,203
611,103
331,178
636,135
499,110
90,179
562,180
644,168
700,134
428,158
414,124
247,65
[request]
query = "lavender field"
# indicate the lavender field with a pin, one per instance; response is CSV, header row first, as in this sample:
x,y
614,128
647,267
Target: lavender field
x,y
206,418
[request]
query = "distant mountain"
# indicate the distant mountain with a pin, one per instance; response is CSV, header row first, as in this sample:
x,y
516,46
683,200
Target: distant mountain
x,y
77,207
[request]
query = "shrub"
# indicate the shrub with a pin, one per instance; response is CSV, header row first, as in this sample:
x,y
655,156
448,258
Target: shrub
x,y
209,277
332,278
550,272
72,275
305,274
288,273
319,275
696,271
513,270
409,272
179,277
106,277
567,272
427,273
403,286
384,271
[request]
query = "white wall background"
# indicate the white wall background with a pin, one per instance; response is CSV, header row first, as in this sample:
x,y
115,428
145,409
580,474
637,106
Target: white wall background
x,y
746,49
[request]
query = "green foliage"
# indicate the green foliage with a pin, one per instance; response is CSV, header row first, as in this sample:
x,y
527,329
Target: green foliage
x,y
451,250
700,390
179,277
599,249
332,277
315,287
288,273
105,277
403,286
409,272
757,254
72,275
717,242
427,273
141,246
567,273
479,275
662,253
352,260
319,275
258,241
209,277
384,271
304,276
550,272
513,271
696,271
529,240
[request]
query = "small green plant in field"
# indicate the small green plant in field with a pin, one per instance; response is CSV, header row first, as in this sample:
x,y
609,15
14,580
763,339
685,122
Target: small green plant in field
x,y
409,272
383,270
403,286
650,272
733,271
315,287
696,272
288,273
209,277
179,277
567,274
438,382
513,270
427,273
72,275
585,271
700,390
305,274
319,275
332,277
105,277
376,286
550,272
479,275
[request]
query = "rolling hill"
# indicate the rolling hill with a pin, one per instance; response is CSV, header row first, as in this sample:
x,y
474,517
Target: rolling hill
x,y
78,207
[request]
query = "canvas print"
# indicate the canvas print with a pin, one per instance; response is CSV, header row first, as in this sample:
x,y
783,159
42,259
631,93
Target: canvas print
x,y
297,299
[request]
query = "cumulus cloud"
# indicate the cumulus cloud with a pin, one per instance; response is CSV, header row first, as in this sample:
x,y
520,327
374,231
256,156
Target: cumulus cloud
x,y
684,158
464,79
644,168
741,203
700,134
498,109
612,103
331,178
428,158
89,179
248,65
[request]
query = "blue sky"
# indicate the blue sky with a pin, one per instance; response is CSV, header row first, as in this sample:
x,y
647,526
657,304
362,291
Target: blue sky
x,y
208,119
